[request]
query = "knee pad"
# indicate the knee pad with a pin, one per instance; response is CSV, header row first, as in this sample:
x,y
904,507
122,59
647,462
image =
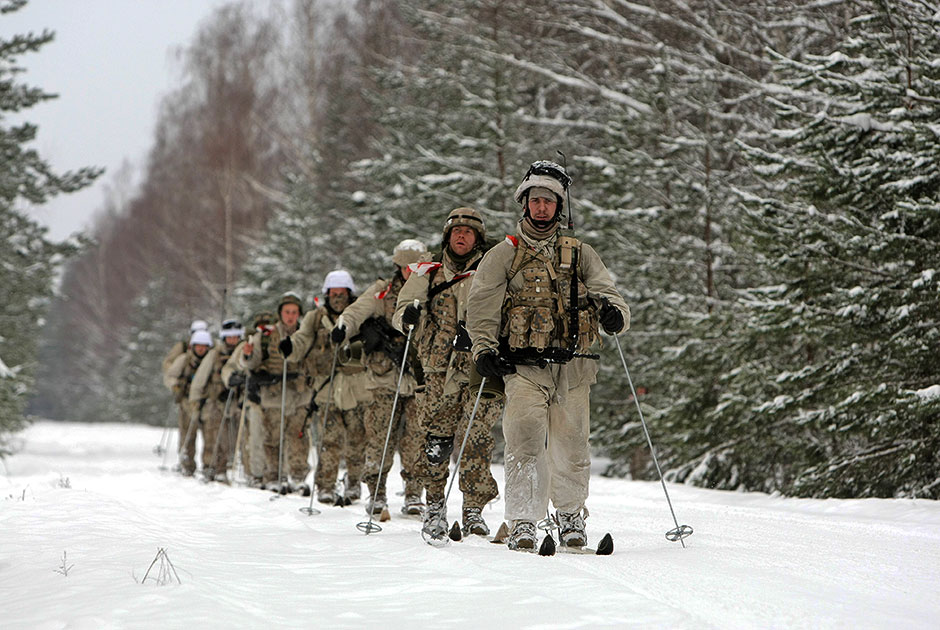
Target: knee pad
x,y
438,448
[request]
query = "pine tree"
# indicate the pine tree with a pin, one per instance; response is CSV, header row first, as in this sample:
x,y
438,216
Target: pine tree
x,y
454,135
831,394
139,395
28,259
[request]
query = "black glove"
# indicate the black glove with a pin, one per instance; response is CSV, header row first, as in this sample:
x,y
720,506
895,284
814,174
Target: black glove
x,y
462,339
253,392
491,365
285,346
411,315
237,379
611,318
338,334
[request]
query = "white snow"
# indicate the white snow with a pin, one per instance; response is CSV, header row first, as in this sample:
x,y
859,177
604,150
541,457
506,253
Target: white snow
x,y
929,393
6,372
95,494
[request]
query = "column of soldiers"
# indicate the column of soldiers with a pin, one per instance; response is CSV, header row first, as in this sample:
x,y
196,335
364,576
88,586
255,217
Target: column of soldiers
x,y
323,384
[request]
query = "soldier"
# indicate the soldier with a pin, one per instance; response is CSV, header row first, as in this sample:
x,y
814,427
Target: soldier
x,y
441,288
262,357
178,379
529,319
180,347
341,429
370,318
252,444
211,394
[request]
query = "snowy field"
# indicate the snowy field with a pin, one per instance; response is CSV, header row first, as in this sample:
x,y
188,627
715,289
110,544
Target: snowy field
x,y
94,494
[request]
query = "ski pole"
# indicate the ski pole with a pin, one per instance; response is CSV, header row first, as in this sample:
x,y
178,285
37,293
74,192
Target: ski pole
x,y
238,463
439,533
369,527
222,425
325,416
280,449
169,434
164,444
680,532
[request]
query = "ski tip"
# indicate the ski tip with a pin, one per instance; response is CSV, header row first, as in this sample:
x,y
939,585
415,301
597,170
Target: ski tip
x,y
606,546
385,516
547,548
501,534
455,533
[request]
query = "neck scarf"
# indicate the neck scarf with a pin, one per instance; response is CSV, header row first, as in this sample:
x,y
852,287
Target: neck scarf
x,y
533,232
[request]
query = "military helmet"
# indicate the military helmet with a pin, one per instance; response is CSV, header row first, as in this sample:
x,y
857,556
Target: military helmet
x,y
290,298
544,174
339,279
409,251
264,318
200,338
232,328
198,324
465,216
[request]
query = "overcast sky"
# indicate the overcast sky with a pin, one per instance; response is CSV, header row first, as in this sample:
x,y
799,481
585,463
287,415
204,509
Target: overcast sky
x,y
110,63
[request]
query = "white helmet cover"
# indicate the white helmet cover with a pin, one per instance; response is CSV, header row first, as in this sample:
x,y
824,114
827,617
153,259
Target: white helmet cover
x,y
201,338
339,279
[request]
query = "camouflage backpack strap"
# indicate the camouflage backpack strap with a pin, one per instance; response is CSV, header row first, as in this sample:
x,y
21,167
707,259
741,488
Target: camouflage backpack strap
x,y
517,259
443,286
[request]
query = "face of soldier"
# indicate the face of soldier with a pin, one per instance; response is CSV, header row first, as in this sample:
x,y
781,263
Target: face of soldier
x,y
200,349
542,210
232,341
405,272
462,239
290,313
338,299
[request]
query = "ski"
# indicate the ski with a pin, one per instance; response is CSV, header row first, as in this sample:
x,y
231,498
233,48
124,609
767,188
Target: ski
x,y
548,547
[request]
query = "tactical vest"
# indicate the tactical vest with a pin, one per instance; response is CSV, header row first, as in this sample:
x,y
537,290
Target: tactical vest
x,y
440,327
537,315
379,362
215,388
272,361
185,379
319,360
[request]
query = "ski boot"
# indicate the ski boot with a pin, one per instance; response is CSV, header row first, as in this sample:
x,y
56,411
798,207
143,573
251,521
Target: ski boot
x,y
522,537
412,505
473,522
571,528
435,520
352,489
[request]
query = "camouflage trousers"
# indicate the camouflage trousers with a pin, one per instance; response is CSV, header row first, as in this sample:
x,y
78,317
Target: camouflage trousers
x,y
406,437
187,447
214,429
296,444
343,434
445,419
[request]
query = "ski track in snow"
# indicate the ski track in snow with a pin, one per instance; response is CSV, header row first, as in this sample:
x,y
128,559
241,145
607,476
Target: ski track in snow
x,y
245,561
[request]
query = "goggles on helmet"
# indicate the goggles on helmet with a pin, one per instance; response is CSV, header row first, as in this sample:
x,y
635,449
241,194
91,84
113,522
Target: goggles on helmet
x,y
549,169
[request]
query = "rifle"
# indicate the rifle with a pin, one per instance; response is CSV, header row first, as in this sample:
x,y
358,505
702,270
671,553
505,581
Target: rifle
x,y
377,335
531,356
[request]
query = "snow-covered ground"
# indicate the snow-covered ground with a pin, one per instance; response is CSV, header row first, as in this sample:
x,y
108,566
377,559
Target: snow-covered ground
x,y
94,495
